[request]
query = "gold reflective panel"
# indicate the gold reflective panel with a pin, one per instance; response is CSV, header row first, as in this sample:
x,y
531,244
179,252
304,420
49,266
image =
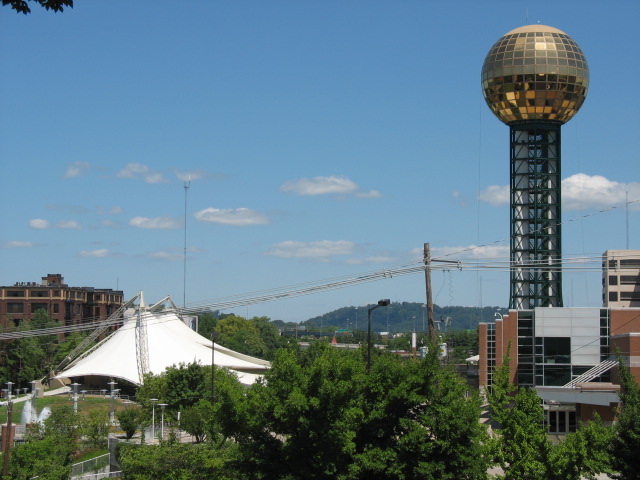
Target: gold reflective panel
x,y
535,72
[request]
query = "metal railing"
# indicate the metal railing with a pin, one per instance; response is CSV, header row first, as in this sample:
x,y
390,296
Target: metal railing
x,y
90,466
98,476
593,372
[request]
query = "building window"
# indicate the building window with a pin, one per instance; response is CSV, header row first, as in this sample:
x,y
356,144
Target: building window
x,y
629,279
16,307
613,296
613,280
56,308
560,421
15,293
632,296
56,293
630,263
39,293
557,350
556,375
613,264
38,306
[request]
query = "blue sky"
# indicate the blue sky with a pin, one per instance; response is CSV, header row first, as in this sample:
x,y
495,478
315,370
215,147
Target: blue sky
x,y
323,139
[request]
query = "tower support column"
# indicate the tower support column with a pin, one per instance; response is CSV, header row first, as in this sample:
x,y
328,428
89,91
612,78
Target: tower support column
x,y
536,252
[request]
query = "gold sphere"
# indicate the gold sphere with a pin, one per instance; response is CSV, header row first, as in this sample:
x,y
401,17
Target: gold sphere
x,y
535,72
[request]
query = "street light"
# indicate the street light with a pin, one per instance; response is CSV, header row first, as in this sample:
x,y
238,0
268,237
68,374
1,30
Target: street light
x,y
162,406
153,417
75,397
381,303
112,384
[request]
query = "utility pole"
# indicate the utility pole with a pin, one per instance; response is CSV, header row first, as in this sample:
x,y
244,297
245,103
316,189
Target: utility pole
x,y
427,279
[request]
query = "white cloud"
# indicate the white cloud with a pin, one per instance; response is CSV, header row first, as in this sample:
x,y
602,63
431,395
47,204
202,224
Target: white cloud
x,y
99,253
233,216
466,252
76,169
495,195
579,191
68,225
166,256
458,199
322,249
319,186
17,244
192,175
584,191
369,194
139,171
114,210
39,224
155,223
110,223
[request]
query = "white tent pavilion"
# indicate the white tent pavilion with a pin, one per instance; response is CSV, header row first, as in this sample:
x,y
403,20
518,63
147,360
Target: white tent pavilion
x,y
150,342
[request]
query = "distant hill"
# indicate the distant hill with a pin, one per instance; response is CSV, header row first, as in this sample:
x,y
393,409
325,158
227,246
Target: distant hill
x,y
403,317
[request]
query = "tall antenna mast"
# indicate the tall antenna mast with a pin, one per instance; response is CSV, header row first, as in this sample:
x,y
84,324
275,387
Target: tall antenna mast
x,y
626,208
187,184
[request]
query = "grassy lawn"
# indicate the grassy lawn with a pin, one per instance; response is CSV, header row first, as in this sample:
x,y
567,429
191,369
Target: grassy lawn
x,y
84,405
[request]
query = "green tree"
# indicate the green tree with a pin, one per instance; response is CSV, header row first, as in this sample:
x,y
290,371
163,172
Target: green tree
x,y
207,323
326,418
626,442
176,461
24,358
130,419
195,420
96,427
21,6
47,453
185,385
241,335
521,445
48,458
582,454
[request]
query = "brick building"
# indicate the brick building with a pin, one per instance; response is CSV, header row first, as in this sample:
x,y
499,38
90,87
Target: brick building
x,y
569,355
65,304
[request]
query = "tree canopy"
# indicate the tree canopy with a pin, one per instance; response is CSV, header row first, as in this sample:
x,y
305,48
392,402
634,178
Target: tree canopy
x,y
328,419
22,6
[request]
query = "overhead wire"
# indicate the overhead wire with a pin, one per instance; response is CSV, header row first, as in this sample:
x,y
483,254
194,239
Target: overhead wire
x,y
500,264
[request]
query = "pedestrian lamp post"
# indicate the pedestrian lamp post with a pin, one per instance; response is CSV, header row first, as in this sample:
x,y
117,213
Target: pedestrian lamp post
x,y
153,417
111,384
162,406
381,303
75,397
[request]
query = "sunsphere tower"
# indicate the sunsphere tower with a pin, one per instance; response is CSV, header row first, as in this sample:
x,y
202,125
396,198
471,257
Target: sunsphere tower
x,y
534,79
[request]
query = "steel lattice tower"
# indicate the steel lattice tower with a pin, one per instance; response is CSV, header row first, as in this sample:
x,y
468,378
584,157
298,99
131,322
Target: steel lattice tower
x,y
534,79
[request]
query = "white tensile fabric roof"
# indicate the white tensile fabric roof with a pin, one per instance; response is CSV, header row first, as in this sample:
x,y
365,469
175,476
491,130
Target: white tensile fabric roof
x,y
169,342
